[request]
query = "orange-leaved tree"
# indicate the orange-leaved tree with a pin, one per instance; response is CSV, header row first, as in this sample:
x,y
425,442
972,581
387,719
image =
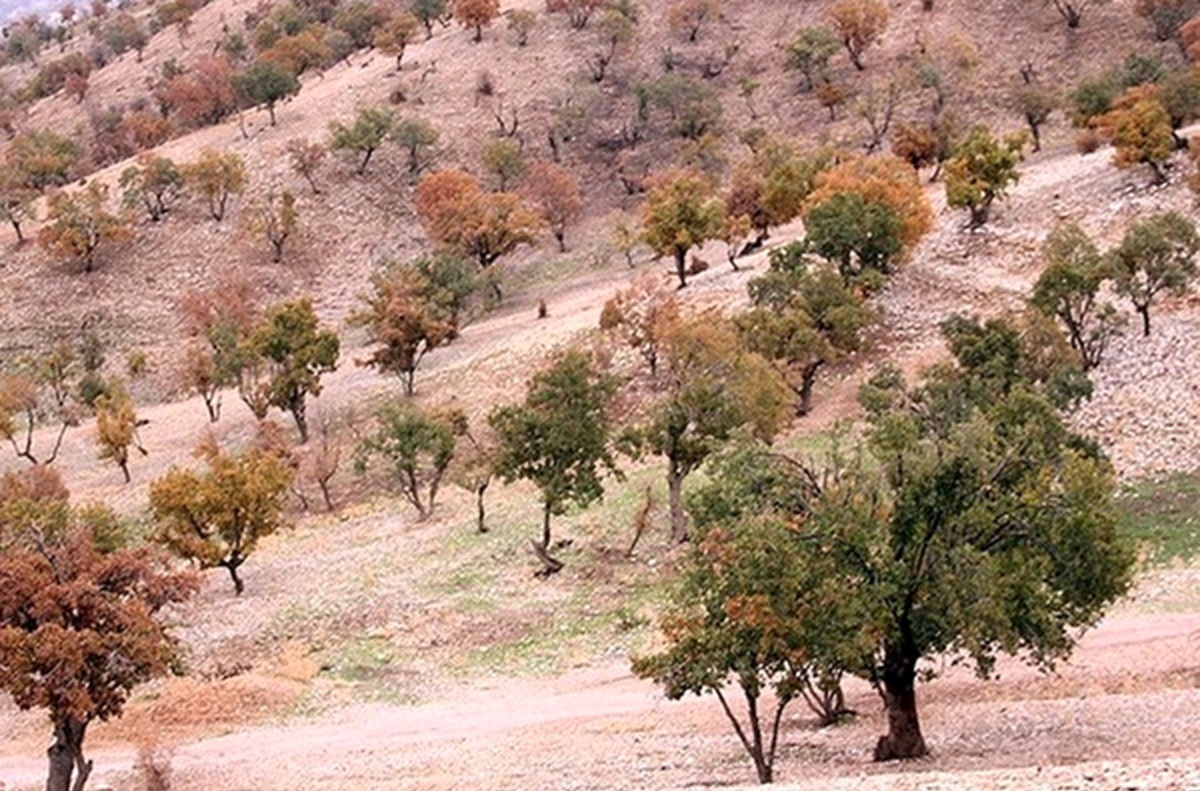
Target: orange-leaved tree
x,y
77,620
555,193
456,213
475,14
859,24
79,224
885,180
681,211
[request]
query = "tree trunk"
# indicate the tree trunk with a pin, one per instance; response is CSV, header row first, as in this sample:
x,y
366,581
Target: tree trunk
x,y
550,564
1144,312
807,379
478,33
481,512
300,415
16,224
903,739
681,266
124,465
362,166
980,213
1036,129
271,112
561,236
239,586
66,758
679,526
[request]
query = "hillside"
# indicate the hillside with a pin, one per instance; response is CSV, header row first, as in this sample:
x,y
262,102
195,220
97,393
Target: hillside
x,y
373,650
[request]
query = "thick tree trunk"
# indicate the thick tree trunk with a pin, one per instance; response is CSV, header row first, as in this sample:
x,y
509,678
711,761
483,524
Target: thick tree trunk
x,y
300,415
679,526
66,758
903,739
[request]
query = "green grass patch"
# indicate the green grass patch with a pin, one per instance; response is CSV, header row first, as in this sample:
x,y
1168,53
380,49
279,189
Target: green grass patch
x,y
1162,515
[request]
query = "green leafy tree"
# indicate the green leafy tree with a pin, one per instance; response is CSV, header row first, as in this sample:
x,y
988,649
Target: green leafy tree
x,y
153,184
417,137
504,159
856,235
16,203
809,53
429,11
1069,290
360,20
981,171
288,352
1156,255
681,211
416,447
991,530
558,439
79,663
217,517
265,84
757,608
1034,103
363,137
217,320
711,386
216,176
814,321
79,224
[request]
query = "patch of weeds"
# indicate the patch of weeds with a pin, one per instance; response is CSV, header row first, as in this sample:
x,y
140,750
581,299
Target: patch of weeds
x,y
1162,515
366,659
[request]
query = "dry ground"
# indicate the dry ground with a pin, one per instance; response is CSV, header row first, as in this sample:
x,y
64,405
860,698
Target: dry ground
x,y
372,652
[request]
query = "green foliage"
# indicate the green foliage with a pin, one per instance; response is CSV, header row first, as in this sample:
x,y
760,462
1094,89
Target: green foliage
x,y
153,184
558,439
284,358
804,320
265,84
416,447
712,387
1093,98
217,517
416,136
370,128
809,53
428,12
1156,255
981,171
757,607
854,234
504,159
694,109
359,20
1069,288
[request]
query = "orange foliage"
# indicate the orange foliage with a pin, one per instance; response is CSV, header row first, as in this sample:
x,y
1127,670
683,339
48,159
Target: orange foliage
x,y
555,192
456,213
881,179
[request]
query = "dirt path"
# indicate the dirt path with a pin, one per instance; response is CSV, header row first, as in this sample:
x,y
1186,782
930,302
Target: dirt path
x,y
598,727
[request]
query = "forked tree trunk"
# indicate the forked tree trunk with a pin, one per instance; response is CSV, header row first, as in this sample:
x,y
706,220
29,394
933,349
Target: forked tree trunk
x,y
66,758
903,739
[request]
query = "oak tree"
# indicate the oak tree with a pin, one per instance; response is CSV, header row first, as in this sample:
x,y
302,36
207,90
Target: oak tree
x,y
1156,255
363,137
305,158
681,211
265,84
216,176
416,447
859,24
153,184
558,439
292,352
79,663
555,193
79,224
981,171
476,14
217,517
